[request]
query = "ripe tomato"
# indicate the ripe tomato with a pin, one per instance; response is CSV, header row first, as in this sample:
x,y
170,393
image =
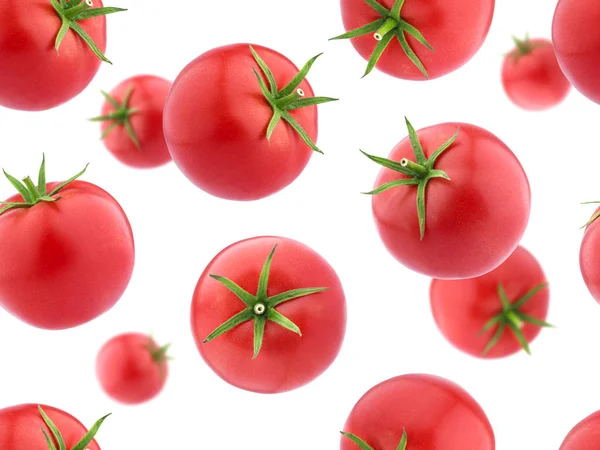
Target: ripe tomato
x,y
131,117
416,40
460,227
510,303
589,255
66,257
26,427
276,321
233,136
132,368
531,76
576,39
585,435
39,71
425,412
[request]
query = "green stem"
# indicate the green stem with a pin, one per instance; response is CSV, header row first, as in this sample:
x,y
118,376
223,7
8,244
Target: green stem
x,y
70,13
418,169
259,309
389,25
31,188
514,319
285,101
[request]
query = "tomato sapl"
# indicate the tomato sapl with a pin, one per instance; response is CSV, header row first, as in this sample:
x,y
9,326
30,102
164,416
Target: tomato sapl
x,y
131,117
417,411
585,435
268,314
589,255
415,39
496,314
50,50
452,201
232,128
67,252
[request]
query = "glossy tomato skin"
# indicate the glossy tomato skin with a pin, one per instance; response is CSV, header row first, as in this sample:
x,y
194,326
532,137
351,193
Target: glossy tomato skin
x,y
589,257
436,413
286,360
585,435
67,262
461,308
456,30
127,371
148,96
474,221
33,76
21,428
534,81
576,40
216,119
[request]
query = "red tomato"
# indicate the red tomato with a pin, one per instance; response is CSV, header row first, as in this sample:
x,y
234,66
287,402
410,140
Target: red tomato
x,y
585,435
23,427
302,336
132,368
474,220
462,308
531,76
435,414
216,117
576,39
132,117
589,255
454,31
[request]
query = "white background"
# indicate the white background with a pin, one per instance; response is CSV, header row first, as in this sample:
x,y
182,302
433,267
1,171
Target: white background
x,y
532,402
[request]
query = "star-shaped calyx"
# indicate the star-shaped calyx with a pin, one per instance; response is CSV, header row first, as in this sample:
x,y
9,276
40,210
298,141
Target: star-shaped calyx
x,y
364,446
260,307
524,46
390,25
58,439
120,116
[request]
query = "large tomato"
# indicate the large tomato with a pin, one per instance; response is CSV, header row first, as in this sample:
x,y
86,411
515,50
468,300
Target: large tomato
x,y
589,255
268,314
38,71
576,39
496,314
452,201
67,254
416,39
585,435
233,136
420,412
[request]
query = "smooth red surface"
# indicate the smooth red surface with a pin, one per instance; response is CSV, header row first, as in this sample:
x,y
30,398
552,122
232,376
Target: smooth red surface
x,y
286,360
455,29
474,221
148,96
589,258
126,370
21,428
585,435
534,81
33,76
67,262
461,308
216,120
576,39
436,413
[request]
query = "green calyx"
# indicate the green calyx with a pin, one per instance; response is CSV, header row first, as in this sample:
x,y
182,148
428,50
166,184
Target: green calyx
x,y
58,439
120,116
159,355
284,100
33,195
364,446
513,318
390,25
593,218
260,307
71,12
419,172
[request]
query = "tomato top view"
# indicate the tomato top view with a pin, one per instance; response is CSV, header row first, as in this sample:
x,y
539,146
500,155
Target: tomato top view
x,y
442,202
585,435
131,118
589,255
576,39
417,412
496,314
241,121
531,76
268,314
50,50
40,427
67,252
416,39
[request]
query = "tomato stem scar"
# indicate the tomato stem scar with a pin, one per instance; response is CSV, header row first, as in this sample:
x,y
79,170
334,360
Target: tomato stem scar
x,y
389,24
259,309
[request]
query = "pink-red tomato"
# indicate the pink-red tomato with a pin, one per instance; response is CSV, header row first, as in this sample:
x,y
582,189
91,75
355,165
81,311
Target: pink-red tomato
x,y
132,368
585,435
135,136
461,308
532,78
287,359
576,39
435,413
589,257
